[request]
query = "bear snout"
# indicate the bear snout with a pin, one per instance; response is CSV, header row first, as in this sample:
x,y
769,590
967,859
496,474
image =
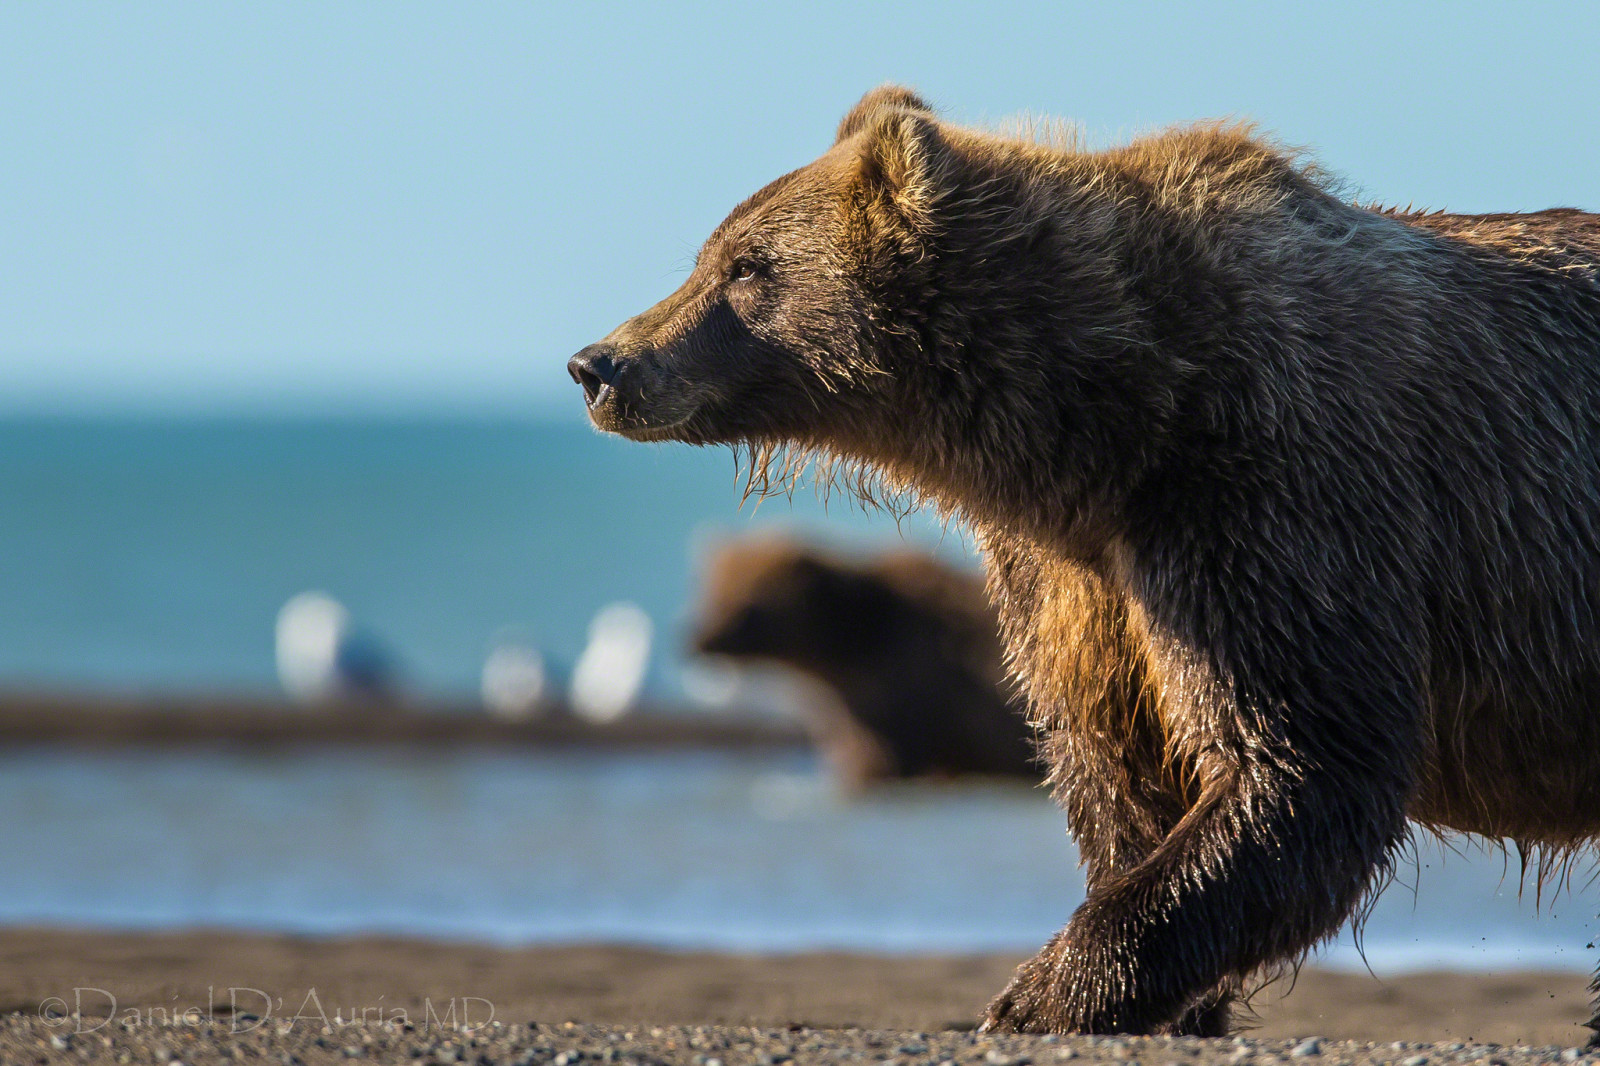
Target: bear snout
x,y
594,369
629,392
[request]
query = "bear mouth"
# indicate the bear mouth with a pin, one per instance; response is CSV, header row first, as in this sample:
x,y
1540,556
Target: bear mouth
x,y
667,417
655,431
611,412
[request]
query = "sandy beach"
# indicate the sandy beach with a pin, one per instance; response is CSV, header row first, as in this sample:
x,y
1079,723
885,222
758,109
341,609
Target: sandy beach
x,y
285,994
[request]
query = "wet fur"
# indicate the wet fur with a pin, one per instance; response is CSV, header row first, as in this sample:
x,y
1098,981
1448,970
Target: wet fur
x,y
1290,506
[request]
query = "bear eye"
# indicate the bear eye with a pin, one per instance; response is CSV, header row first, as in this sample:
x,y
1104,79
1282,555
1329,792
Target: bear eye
x,y
744,269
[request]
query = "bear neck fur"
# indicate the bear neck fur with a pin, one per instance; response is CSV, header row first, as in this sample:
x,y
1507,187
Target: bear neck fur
x,y
1100,277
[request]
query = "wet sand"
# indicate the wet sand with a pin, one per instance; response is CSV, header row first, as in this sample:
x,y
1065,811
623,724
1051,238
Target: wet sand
x,y
355,987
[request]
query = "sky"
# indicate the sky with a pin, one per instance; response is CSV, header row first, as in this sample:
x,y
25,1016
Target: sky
x,y
219,207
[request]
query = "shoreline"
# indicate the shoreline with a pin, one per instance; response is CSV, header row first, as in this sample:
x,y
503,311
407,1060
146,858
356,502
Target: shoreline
x,y
64,719
159,974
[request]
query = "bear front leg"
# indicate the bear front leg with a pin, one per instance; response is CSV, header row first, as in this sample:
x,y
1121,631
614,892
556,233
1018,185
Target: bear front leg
x,y
1119,817
1270,860
1116,782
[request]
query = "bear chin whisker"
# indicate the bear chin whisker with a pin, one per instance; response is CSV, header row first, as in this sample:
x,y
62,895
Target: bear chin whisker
x,y
776,468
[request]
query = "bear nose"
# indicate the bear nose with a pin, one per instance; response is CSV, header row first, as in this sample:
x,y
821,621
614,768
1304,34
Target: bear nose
x,y
594,369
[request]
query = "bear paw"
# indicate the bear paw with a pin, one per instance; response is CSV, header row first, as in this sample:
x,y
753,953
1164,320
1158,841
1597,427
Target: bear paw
x,y
1031,1003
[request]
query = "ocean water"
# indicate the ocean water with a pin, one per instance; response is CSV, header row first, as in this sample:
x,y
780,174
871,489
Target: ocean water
x,y
677,849
154,554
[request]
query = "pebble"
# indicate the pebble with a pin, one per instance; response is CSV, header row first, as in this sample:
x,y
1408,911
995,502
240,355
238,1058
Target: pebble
x,y
28,1039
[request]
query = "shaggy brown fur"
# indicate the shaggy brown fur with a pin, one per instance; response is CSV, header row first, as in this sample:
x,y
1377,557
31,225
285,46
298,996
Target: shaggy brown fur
x,y
1291,507
910,646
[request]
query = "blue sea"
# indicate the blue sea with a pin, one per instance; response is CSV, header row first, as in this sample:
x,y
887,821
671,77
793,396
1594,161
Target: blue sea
x,y
153,555
149,554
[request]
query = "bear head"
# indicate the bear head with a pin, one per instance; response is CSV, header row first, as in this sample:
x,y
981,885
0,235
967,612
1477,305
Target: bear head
x,y
777,334
774,598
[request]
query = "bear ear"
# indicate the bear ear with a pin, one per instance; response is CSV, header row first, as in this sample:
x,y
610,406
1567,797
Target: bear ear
x,y
905,164
883,98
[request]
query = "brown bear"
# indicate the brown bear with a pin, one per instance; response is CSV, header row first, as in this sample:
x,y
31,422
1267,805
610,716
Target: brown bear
x,y
1290,506
909,646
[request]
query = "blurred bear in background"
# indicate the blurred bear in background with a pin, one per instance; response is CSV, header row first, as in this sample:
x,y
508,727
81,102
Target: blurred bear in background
x,y
910,646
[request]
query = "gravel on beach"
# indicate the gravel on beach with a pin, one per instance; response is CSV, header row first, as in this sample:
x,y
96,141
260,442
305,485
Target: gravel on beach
x,y
30,1038
207,996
